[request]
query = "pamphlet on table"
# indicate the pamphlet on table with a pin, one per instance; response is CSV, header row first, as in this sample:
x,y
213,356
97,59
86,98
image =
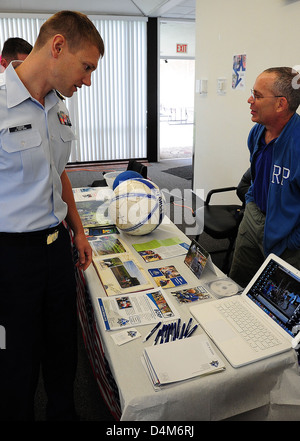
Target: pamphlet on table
x,y
107,244
92,193
126,336
116,266
121,274
142,308
92,204
161,249
181,360
167,276
94,213
189,295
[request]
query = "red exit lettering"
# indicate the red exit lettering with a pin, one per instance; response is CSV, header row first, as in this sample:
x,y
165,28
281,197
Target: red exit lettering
x,y
182,48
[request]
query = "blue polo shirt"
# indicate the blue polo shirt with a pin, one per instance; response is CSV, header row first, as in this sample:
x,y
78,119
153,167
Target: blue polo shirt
x,y
35,146
263,161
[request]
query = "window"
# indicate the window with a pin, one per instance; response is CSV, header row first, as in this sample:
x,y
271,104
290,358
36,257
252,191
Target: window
x,y
109,117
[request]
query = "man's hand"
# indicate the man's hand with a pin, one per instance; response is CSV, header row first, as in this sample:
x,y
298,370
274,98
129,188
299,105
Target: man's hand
x,y
84,251
73,220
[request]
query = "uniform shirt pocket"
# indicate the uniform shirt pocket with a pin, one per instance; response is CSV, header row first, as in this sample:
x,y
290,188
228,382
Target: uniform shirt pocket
x,y
62,142
23,151
66,133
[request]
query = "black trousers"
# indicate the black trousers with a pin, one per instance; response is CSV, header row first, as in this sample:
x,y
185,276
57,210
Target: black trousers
x,y
38,313
249,254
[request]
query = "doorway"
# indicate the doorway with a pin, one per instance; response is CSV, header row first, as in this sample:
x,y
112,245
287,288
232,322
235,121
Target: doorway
x,y
176,89
176,108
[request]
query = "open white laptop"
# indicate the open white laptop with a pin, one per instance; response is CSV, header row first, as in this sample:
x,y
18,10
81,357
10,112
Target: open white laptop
x,y
272,298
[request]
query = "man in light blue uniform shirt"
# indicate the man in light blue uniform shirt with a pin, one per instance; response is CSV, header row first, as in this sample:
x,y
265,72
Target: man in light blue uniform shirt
x,y
38,291
14,48
33,157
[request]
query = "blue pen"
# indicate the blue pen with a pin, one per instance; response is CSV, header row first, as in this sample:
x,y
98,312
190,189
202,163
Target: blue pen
x,y
192,330
188,327
162,334
152,332
174,331
157,337
178,328
182,331
168,333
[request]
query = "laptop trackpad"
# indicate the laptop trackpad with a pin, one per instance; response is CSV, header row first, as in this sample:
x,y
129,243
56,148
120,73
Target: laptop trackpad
x,y
220,330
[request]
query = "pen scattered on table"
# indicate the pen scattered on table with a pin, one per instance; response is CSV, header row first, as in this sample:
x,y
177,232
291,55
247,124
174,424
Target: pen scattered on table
x,y
188,327
171,332
152,332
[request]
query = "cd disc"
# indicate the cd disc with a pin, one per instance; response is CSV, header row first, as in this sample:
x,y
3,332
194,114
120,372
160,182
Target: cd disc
x,y
223,287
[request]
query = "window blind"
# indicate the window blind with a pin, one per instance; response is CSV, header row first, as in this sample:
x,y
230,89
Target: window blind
x,y
109,117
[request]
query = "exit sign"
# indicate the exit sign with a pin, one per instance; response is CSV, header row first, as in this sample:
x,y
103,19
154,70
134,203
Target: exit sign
x,y
181,48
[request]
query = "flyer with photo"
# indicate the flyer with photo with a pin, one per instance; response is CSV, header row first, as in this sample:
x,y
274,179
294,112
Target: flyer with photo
x,y
167,277
189,295
197,258
161,249
94,213
107,244
143,308
92,193
85,193
121,274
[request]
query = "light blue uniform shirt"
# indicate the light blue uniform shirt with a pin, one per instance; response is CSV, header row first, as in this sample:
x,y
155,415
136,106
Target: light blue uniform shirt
x,y
34,150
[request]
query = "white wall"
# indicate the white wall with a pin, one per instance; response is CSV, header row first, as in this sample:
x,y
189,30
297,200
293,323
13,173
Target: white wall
x,y
173,32
267,31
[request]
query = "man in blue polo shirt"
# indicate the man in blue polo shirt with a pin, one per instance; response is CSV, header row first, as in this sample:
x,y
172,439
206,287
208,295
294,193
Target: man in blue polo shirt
x,y
38,292
271,223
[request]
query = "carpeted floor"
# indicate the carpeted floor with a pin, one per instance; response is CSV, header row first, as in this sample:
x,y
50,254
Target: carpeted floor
x,y
185,172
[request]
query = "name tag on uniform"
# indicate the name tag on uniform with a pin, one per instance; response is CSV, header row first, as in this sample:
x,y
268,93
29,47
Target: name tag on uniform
x,y
64,118
19,128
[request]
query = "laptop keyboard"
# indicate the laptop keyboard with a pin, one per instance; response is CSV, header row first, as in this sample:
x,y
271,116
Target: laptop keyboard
x,y
247,325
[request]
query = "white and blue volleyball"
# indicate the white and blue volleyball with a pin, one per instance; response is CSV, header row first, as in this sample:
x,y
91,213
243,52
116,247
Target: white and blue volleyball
x,y
137,206
124,176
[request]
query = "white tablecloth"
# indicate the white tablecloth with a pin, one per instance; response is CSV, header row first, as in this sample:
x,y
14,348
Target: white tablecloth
x,y
266,390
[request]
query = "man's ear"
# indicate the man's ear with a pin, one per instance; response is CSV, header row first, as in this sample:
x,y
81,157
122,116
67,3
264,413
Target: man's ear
x,y
282,104
3,62
58,44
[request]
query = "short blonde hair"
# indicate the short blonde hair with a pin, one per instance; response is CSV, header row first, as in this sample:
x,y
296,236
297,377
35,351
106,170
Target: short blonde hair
x,y
76,27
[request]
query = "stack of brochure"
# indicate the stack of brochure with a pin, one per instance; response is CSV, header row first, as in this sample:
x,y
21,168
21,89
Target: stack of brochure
x,y
180,360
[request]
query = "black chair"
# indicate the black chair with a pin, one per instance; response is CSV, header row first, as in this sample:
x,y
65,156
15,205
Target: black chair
x,y
132,165
138,167
222,221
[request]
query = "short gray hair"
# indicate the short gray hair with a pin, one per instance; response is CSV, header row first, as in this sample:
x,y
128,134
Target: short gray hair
x,y
284,85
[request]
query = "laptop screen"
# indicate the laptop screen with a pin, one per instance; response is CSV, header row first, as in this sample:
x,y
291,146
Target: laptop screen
x,y
277,293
